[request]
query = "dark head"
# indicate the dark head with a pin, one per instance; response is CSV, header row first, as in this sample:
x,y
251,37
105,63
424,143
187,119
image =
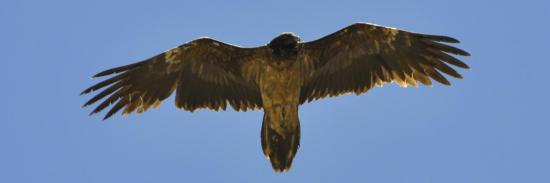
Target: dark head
x,y
285,45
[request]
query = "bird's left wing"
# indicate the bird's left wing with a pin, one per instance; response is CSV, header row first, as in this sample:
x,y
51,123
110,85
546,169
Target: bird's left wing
x,y
205,73
363,55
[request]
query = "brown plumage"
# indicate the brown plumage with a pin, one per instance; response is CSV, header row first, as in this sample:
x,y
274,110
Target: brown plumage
x,y
278,77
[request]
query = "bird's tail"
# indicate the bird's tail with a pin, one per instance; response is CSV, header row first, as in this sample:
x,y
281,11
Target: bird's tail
x,y
280,141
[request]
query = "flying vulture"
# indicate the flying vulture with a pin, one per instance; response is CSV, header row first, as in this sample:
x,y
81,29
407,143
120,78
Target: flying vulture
x,y
278,77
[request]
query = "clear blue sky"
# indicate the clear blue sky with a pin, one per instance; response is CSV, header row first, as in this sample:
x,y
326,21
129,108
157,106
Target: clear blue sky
x,y
491,126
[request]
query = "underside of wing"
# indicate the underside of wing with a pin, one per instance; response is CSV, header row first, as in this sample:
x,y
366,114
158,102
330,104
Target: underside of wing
x,y
204,73
361,56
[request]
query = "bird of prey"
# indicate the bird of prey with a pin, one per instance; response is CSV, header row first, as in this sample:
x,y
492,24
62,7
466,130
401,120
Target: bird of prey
x,y
278,77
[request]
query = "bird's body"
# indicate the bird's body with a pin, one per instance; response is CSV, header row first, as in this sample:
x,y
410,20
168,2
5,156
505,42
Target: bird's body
x,y
280,85
279,77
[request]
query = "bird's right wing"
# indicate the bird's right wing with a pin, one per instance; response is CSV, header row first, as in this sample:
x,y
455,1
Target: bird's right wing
x,y
205,73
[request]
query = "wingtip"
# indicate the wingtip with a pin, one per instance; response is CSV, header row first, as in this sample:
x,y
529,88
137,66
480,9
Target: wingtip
x,y
108,72
85,92
105,118
89,103
460,52
448,39
101,74
440,38
446,83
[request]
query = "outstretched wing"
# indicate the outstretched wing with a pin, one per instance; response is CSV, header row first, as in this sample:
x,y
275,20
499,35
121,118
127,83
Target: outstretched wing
x,y
362,55
205,73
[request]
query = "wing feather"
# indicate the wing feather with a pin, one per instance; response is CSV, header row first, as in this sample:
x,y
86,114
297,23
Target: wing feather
x,y
205,73
362,55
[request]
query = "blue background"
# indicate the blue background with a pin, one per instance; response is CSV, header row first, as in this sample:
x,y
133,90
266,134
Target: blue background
x,y
491,126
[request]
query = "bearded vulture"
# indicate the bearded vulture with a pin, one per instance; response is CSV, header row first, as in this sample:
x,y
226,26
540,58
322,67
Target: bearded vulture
x,y
278,77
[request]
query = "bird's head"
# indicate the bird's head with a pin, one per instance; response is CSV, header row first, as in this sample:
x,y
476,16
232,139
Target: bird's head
x,y
285,45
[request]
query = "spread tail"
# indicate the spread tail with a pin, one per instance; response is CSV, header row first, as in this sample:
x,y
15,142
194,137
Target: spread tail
x,y
280,145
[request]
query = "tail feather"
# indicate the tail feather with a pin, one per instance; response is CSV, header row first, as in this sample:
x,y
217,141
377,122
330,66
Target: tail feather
x,y
280,147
